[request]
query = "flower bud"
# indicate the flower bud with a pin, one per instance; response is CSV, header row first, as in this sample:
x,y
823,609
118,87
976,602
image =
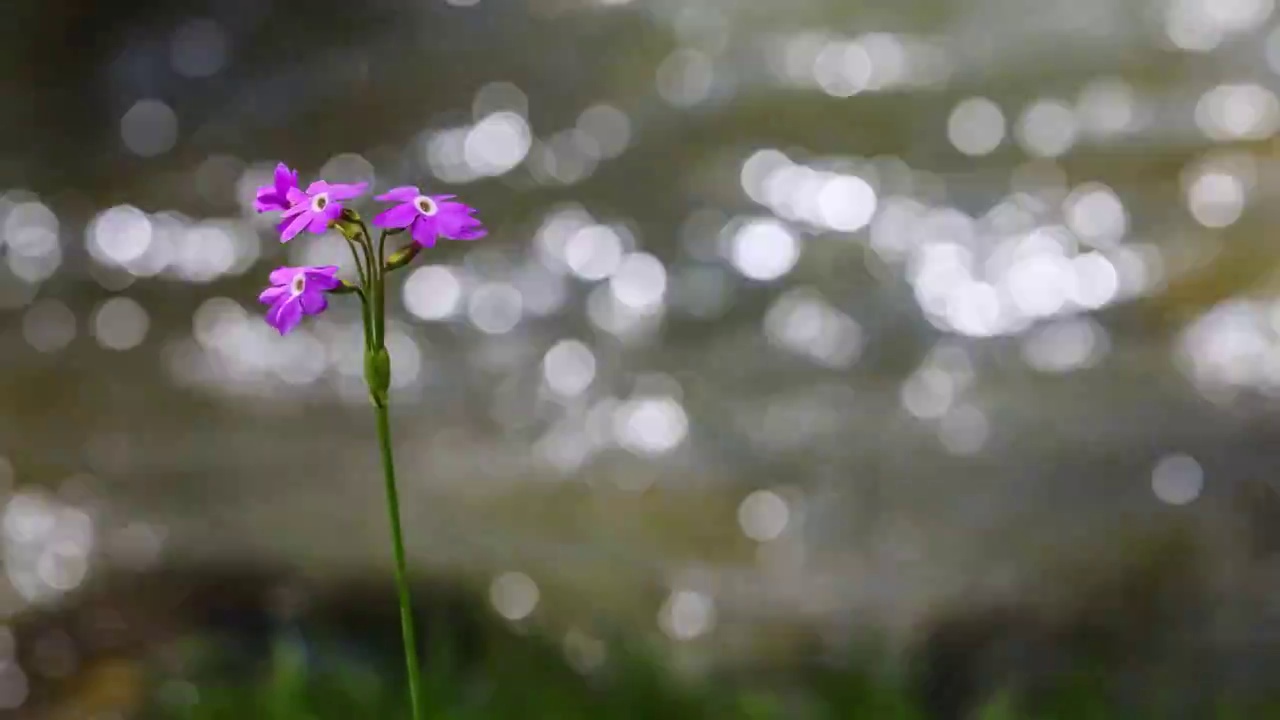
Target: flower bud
x,y
349,229
402,257
345,288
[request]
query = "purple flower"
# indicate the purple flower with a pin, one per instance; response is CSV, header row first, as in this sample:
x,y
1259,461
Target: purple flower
x,y
297,291
276,196
317,208
429,216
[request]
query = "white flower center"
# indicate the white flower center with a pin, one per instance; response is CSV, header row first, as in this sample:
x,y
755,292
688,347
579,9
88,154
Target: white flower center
x,y
425,205
299,284
319,202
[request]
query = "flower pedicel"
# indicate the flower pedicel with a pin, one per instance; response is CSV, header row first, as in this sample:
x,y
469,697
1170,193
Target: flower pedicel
x,y
299,291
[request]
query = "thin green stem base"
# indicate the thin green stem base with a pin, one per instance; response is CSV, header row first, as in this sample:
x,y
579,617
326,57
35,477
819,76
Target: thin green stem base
x,y
402,574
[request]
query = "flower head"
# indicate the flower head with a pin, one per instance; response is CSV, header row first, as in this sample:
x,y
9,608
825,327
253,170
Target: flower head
x,y
297,291
276,195
317,208
429,216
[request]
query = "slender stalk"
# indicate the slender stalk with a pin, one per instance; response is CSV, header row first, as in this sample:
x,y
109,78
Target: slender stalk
x,y
360,265
379,301
402,575
364,320
364,270
366,242
378,377
382,248
376,261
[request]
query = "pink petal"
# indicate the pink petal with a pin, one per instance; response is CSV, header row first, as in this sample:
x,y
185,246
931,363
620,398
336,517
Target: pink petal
x,y
473,232
272,294
285,178
425,231
404,193
317,187
295,226
313,302
288,316
347,192
457,225
447,206
322,280
297,209
273,312
284,275
400,216
321,221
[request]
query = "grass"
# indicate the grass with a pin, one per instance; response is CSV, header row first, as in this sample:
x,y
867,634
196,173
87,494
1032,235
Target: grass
x,y
523,682
339,660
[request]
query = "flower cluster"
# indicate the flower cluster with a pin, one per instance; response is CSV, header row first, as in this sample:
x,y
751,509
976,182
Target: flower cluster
x,y
298,291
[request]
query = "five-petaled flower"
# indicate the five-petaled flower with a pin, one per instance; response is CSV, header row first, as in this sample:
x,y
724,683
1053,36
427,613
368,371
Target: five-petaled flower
x,y
317,208
429,216
297,291
276,195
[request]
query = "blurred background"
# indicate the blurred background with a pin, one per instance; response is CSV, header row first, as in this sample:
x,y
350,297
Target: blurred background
x,y
931,343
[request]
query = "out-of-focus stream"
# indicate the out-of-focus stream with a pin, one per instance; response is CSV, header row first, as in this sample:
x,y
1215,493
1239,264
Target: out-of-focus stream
x,y
791,312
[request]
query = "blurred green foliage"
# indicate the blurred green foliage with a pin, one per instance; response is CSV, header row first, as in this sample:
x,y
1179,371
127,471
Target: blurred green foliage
x,y
521,683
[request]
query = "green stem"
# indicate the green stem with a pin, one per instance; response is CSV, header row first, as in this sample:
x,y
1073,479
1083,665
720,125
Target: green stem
x,y
355,254
380,312
378,377
402,576
379,298
364,300
367,243
364,317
